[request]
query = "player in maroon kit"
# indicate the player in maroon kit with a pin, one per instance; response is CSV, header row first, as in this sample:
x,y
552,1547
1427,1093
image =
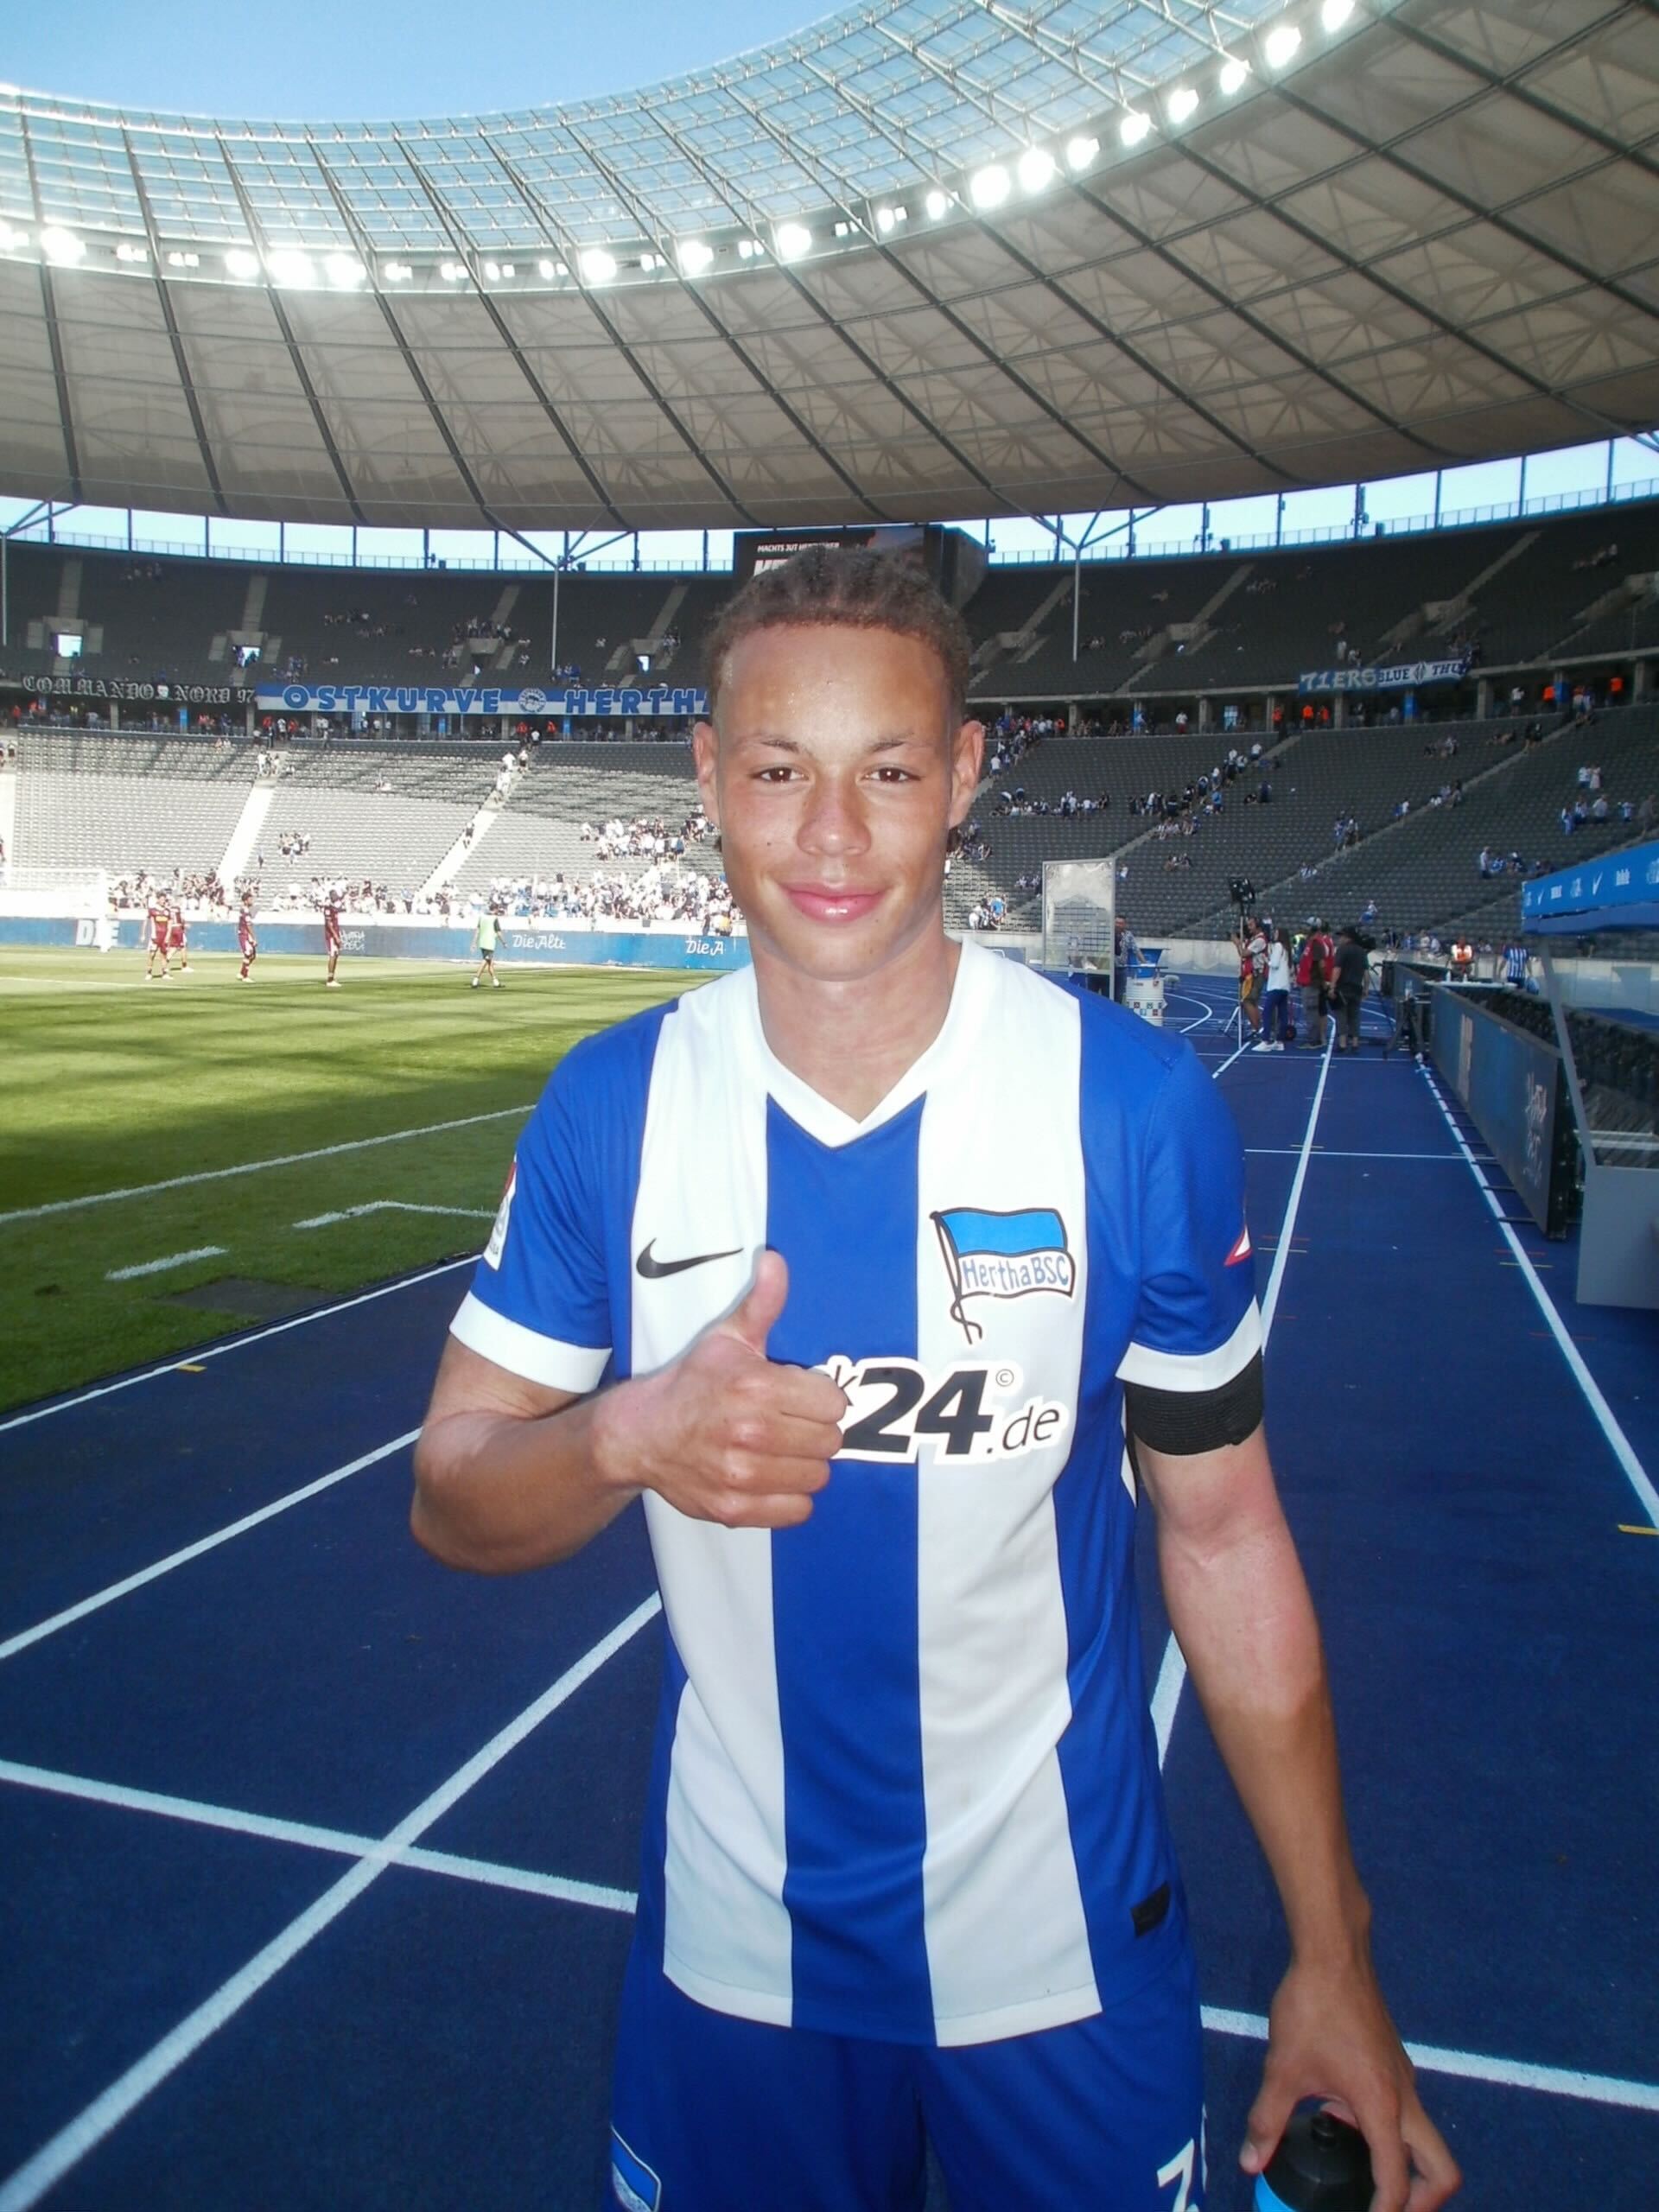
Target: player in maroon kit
x,y
156,933
177,939
245,938
331,936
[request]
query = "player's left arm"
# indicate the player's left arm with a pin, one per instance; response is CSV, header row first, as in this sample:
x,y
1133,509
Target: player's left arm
x,y
1240,1608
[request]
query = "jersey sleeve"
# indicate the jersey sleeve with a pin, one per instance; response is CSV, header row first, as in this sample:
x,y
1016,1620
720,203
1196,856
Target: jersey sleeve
x,y
539,1303
1196,1324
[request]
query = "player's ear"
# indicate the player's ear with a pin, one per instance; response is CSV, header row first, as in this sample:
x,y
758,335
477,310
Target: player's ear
x,y
705,753
967,752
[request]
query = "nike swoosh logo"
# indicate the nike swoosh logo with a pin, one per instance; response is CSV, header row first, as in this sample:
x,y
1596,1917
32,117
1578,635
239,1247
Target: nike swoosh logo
x,y
652,1269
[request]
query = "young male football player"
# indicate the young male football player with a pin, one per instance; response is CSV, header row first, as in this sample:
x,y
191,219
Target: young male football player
x,y
157,924
331,936
247,943
487,935
848,1265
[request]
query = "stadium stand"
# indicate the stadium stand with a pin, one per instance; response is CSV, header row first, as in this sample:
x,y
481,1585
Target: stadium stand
x,y
121,803
371,814
1519,593
1422,872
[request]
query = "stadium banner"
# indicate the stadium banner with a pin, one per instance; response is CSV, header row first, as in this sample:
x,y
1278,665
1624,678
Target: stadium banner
x,y
136,691
1400,675
533,944
600,702
1617,891
1512,1085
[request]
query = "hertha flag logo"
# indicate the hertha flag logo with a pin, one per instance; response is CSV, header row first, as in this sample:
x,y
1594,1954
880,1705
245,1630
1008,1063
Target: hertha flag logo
x,y
496,1244
1241,1250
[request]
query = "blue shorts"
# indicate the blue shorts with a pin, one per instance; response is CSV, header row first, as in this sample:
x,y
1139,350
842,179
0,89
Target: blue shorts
x,y
711,2114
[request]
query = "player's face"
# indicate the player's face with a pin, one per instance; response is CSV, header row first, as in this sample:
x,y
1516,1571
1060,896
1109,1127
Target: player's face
x,y
836,775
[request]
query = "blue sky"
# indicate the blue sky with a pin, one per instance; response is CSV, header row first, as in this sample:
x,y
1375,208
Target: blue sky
x,y
314,61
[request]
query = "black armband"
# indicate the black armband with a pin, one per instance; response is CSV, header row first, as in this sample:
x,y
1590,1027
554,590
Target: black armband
x,y
1184,1422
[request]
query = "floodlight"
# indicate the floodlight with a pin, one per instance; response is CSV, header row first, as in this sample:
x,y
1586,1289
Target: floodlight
x,y
792,240
11,238
884,220
345,270
1335,13
509,269
988,188
240,263
1080,151
126,253
694,254
1233,75
1281,41
492,271
938,205
1182,101
62,246
598,266
178,259
1036,168
288,267
1134,127
396,272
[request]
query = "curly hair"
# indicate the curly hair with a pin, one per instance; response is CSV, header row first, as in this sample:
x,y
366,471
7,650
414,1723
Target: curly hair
x,y
843,587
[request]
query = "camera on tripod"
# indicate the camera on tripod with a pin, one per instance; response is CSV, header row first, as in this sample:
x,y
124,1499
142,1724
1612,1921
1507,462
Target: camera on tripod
x,y
1240,890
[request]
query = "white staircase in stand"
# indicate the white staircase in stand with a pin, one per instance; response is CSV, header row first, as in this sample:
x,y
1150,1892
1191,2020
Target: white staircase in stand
x,y
246,835
8,822
463,848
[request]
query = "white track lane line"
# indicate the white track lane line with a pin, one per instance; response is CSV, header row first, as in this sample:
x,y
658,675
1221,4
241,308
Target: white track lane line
x,y
99,1599
236,1343
255,1166
488,1873
1621,1447
72,2143
1475,2066
227,1818
1172,1670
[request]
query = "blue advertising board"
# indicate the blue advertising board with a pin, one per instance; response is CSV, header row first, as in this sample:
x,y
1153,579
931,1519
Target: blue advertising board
x,y
536,944
1617,891
1512,1085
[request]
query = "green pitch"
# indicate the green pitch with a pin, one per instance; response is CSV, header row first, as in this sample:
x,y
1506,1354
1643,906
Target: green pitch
x,y
108,1084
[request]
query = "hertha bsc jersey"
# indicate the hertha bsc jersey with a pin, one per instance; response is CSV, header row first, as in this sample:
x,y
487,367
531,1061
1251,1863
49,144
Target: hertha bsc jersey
x,y
904,1782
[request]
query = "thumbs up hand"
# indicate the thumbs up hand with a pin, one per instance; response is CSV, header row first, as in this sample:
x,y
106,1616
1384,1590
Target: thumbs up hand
x,y
724,1433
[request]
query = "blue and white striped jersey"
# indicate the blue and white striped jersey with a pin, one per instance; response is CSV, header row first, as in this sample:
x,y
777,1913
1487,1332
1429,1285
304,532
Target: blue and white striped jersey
x,y
904,1782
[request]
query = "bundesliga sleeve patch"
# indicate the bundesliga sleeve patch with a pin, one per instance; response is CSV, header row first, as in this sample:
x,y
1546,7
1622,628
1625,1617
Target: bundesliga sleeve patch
x,y
498,1243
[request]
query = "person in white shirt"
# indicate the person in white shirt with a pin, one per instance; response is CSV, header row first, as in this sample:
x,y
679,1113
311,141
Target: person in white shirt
x,y
1275,1000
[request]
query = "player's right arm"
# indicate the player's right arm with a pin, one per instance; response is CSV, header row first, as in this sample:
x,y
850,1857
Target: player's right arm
x,y
510,1473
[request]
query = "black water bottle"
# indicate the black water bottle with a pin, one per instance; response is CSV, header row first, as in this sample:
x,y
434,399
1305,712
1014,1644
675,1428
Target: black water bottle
x,y
1321,2165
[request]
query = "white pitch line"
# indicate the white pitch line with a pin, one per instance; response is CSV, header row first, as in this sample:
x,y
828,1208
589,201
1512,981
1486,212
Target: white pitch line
x,y
255,1166
161,1267
1476,2066
1621,1447
340,1841
99,1599
236,1343
1294,1152
1172,1670
72,2143
392,1205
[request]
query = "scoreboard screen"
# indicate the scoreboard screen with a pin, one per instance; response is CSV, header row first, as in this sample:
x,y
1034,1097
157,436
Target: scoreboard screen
x,y
954,561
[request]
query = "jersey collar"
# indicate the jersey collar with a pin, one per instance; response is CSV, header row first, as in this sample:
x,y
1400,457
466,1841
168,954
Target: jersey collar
x,y
966,1016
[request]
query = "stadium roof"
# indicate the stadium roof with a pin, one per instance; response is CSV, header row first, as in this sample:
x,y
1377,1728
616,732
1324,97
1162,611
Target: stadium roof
x,y
923,260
